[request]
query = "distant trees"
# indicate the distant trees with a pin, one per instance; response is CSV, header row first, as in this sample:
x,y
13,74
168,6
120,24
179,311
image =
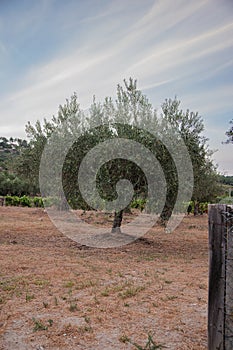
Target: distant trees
x,y
10,182
10,149
226,179
122,118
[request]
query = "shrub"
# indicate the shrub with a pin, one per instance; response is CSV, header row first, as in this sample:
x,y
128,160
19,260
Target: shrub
x,y
25,201
138,203
12,200
38,202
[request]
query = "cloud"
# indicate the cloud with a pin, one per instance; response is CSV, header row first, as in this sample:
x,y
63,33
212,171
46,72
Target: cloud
x,y
170,48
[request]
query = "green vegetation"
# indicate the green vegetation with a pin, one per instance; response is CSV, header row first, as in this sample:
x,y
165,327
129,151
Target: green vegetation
x,y
150,344
226,180
40,326
27,201
10,181
123,118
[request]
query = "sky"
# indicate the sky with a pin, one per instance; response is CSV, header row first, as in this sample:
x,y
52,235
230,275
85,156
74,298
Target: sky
x,y
52,48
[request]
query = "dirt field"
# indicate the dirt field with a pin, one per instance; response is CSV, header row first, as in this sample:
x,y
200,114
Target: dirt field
x,y
56,294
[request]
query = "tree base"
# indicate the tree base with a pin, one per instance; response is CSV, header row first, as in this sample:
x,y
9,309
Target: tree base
x,y
116,230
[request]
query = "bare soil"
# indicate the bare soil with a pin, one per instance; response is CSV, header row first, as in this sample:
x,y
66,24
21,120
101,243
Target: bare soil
x,y
56,294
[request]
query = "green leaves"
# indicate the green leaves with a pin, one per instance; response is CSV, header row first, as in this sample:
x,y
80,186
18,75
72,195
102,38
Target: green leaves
x,y
127,117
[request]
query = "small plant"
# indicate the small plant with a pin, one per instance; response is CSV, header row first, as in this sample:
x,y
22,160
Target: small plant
x,y
150,345
168,281
73,307
45,304
84,329
50,322
124,339
105,292
87,319
40,326
69,284
41,282
29,297
131,292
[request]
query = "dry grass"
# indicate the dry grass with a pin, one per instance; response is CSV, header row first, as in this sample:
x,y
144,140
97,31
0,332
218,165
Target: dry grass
x,y
87,298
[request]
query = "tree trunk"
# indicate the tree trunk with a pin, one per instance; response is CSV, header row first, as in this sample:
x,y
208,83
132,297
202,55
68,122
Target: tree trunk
x,y
196,208
116,227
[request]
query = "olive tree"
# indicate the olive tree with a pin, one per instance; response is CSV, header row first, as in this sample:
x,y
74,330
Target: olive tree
x,y
126,117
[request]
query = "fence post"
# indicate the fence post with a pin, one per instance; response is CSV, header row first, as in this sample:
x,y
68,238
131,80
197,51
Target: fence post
x,y
229,280
220,303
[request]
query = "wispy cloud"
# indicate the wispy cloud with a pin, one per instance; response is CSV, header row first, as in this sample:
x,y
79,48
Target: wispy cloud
x,y
172,48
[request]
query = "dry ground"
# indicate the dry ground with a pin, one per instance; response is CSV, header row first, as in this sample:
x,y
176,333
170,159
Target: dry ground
x,y
58,295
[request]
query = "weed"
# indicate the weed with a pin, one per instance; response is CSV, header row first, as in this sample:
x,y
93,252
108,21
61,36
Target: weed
x,y
84,329
85,284
131,292
87,319
50,322
150,344
168,282
202,286
40,326
29,297
45,304
41,282
121,287
124,339
8,285
73,307
105,293
170,297
69,284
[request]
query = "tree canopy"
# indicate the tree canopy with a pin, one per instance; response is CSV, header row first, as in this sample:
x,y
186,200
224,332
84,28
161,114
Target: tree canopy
x,y
125,118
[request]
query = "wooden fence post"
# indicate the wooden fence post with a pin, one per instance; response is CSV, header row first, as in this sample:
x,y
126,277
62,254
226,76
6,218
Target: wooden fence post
x,y
229,281
220,303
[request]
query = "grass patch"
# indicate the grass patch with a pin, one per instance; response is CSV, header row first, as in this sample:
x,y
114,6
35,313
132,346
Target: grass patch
x,y
40,326
131,292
